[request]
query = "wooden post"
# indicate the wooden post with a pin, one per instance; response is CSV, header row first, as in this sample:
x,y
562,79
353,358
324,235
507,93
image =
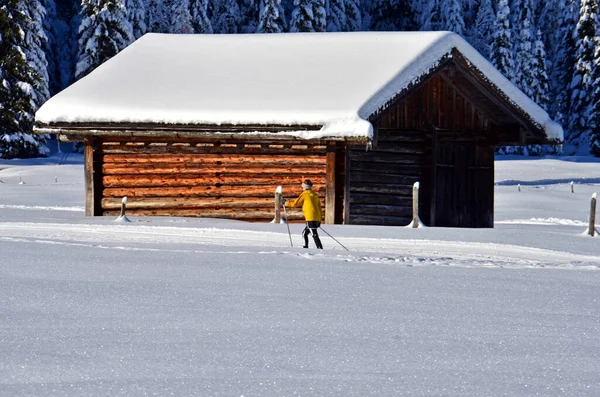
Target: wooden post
x,y
277,219
415,192
592,228
572,188
330,185
123,204
88,162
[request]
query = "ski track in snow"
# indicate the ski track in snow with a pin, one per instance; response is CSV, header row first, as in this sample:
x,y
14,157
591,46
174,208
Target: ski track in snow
x,y
393,252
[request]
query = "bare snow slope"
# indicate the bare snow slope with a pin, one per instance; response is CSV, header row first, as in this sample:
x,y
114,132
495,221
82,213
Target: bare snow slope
x,y
176,306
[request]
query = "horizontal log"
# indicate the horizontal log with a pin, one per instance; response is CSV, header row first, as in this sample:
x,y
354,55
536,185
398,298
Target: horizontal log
x,y
360,177
209,149
395,135
289,191
380,220
375,188
191,180
380,199
380,210
389,158
216,159
188,202
199,169
397,169
401,148
262,216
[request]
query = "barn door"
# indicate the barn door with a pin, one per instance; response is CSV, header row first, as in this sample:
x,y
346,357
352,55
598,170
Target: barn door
x,y
464,188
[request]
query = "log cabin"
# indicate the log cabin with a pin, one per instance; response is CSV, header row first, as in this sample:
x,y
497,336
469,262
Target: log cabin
x,y
210,125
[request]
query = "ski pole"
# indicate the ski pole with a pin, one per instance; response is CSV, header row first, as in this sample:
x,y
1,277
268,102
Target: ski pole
x,y
334,238
287,224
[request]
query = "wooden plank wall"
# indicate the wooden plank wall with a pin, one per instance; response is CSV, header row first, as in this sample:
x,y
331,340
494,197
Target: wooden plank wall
x,y
381,180
233,180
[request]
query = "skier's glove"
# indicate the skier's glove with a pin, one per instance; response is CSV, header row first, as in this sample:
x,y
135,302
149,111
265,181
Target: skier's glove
x,y
283,201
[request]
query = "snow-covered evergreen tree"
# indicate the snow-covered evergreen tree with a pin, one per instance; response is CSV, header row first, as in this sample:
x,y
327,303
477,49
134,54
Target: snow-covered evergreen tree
x,y
270,21
481,36
501,54
200,21
320,15
35,42
17,80
392,15
302,16
452,16
524,47
136,14
104,31
540,86
563,62
249,15
226,18
429,14
157,16
582,120
353,16
179,18
336,16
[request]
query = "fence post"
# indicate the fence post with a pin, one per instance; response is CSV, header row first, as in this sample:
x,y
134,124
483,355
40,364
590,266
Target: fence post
x,y
415,193
592,228
123,204
278,195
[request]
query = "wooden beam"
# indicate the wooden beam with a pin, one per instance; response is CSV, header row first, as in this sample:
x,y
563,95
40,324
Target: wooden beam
x,y
495,97
346,217
465,94
88,156
330,185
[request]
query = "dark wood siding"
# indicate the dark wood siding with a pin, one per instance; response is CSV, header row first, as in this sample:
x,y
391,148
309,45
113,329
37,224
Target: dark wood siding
x,y
234,180
434,136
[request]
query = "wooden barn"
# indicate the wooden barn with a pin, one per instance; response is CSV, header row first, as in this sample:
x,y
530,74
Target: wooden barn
x,y
210,125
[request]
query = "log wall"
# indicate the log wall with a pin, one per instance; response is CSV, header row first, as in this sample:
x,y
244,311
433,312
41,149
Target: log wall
x,y
233,180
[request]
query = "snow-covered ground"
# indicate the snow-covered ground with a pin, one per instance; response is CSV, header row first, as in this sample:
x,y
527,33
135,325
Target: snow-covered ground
x,y
180,306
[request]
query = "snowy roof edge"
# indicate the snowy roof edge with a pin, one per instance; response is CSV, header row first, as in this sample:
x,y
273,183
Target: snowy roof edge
x,y
444,48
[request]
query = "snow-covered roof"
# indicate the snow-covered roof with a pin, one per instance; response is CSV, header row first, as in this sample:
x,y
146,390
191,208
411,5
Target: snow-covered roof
x,y
334,81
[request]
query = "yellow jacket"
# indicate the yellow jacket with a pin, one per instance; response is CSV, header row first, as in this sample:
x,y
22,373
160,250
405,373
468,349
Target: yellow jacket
x,y
311,206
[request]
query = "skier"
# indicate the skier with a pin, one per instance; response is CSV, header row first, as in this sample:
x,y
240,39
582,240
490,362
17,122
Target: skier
x,y
311,206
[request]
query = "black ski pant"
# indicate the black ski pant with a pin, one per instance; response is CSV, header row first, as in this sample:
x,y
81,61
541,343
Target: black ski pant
x,y
311,227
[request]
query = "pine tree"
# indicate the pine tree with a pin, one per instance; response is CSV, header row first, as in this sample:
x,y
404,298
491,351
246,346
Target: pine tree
x,y
524,48
302,16
249,15
103,32
582,121
179,18
156,16
563,62
35,41
501,49
540,83
353,16
200,21
484,28
452,16
501,55
392,15
136,14
226,18
270,20
17,80
320,16
429,15
336,16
